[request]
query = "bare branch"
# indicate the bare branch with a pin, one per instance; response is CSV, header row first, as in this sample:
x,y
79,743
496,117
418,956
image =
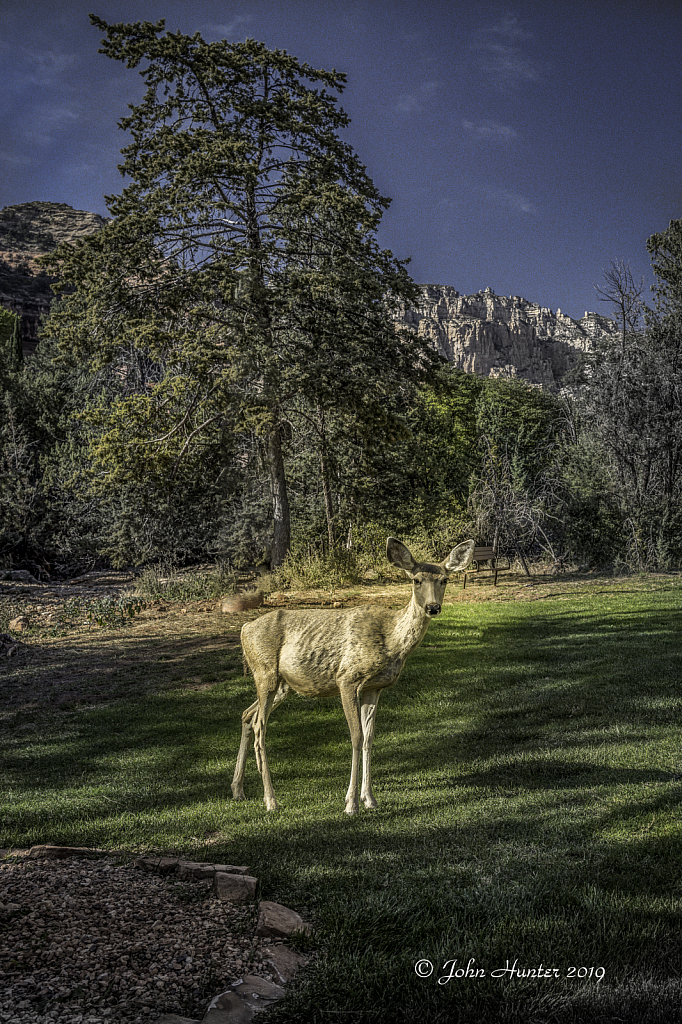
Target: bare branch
x,y
624,295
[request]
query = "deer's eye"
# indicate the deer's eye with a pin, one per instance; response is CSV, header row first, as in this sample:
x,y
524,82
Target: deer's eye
x,y
417,583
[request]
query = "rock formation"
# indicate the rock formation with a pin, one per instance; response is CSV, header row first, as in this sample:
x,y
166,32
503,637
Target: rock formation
x,y
494,336
27,231
485,333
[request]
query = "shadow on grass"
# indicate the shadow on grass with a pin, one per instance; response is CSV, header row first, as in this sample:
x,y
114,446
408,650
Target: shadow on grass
x,y
526,770
538,680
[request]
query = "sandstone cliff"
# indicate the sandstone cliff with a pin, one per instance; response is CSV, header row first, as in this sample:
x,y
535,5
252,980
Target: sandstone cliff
x,y
493,335
485,333
27,231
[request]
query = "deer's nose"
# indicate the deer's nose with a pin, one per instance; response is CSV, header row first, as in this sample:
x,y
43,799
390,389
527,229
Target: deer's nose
x,y
432,609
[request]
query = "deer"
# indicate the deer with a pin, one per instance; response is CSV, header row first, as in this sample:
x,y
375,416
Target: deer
x,y
355,653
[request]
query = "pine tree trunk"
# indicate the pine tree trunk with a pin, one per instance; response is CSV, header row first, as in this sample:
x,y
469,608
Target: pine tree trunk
x,y
281,541
326,486
328,502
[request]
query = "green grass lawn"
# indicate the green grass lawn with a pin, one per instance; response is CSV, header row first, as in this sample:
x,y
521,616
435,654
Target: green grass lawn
x,y
528,769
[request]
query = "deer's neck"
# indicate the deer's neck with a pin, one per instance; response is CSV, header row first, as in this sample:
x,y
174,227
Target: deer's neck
x,y
410,628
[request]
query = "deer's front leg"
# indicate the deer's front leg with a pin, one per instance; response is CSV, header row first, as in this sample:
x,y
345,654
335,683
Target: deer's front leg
x,y
368,710
266,704
349,700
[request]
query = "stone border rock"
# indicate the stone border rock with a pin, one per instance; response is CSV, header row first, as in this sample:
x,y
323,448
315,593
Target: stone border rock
x,y
250,994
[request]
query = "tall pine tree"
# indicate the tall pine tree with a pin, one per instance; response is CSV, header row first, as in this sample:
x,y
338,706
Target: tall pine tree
x,y
240,273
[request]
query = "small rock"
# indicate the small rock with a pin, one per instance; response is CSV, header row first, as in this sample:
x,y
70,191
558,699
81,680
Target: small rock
x,y
232,869
62,852
164,865
242,602
19,624
257,992
236,888
202,869
228,1008
285,962
172,1018
278,922
193,869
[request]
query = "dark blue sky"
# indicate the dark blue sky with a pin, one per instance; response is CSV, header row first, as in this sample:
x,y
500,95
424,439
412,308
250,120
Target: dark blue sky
x,y
524,145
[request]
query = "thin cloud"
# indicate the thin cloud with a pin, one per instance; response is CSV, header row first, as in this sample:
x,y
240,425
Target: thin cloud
x,y
489,131
45,67
505,63
79,168
231,28
512,200
499,52
482,196
13,160
508,26
412,102
48,120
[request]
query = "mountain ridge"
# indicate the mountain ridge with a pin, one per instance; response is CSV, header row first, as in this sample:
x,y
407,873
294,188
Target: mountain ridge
x,y
505,336
27,231
484,333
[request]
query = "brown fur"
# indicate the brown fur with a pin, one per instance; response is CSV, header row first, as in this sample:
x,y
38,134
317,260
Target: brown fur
x,y
355,653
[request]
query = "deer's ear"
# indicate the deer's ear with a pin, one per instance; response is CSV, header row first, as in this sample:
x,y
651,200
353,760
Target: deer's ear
x,y
399,555
459,557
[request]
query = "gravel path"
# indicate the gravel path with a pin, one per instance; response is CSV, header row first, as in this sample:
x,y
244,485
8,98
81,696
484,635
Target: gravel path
x,y
89,942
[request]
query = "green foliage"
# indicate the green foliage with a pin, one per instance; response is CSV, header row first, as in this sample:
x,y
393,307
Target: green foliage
x,y
47,516
665,249
18,490
101,611
163,581
521,423
301,571
11,355
622,466
631,415
477,461
422,473
591,521
239,284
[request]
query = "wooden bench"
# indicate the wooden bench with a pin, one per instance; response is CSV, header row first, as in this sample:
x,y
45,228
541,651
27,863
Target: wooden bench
x,y
485,554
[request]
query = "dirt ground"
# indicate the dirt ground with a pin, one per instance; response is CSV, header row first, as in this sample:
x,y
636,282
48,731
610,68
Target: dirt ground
x,y
56,661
